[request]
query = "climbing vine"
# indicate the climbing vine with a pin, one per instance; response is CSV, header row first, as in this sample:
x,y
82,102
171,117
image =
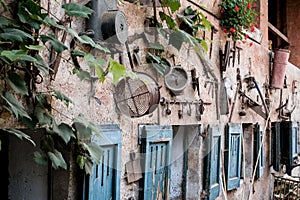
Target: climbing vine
x,y
24,64
184,26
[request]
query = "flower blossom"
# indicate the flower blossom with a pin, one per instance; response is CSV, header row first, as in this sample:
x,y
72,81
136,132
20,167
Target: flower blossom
x,y
232,30
249,5
237,9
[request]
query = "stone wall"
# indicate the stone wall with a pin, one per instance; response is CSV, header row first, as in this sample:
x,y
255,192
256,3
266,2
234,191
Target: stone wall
x,y
254,59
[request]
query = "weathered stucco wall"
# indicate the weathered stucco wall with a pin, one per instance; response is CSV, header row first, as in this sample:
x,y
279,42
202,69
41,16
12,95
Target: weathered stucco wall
x,y
254,59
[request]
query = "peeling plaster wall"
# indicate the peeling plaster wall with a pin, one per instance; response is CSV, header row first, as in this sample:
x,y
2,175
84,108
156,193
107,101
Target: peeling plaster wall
x,y
83,93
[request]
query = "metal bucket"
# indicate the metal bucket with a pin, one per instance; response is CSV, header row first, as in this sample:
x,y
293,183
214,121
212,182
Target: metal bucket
x,y
279,67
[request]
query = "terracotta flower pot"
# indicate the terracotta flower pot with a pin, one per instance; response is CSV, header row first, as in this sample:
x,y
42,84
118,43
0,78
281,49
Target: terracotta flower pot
x,y
279,67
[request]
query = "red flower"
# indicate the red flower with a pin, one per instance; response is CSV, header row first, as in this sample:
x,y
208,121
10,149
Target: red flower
x,y
251,43
254,4
246,36
232,30
225,31
249,5
237,9
252,27
244,41
257,18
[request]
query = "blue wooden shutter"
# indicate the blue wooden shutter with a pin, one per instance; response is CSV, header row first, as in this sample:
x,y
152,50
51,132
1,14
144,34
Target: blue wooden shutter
x,y
212,163
275,150
289,140
258,136
156,149
232,155
104,183
294,132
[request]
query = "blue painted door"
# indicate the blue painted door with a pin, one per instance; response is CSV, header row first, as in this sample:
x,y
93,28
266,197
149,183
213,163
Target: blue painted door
x,y
233,155
156,149
258,153
104,182
102,178
157,176
212,163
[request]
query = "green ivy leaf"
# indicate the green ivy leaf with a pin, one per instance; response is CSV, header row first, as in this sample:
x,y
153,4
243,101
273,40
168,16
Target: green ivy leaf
x,y
14,106
80,160
204,45
85,128
82,131
100,73
17,83
95,151
4,22
30,13
156,46
73,9
57,45
64,131
31,123
205,22
77,52
35,47
88,167
20,135
57,160
51,22
174,5
18,55
84,39
94,62
171,23
38,158
62,97
83,75
42,65
117,70
189,11
42,116
15,35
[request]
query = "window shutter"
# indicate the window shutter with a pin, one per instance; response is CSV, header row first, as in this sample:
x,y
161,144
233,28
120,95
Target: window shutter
x,y
294,130
258,140
104,183
212,163
275,150
289,140
156,143
232,155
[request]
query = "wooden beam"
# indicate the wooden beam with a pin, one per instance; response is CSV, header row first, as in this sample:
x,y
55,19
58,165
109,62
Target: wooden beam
x,y
278,33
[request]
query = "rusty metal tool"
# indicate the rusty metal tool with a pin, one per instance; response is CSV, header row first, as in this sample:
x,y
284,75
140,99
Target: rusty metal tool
x,y
195,81
213,31
224,57
233,50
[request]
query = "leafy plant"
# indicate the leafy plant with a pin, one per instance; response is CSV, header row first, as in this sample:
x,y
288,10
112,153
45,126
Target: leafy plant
x,y
183,27
23,68
236,16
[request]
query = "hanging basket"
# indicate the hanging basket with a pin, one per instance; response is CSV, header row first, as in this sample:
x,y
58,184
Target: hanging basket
x,y
279,67
137,97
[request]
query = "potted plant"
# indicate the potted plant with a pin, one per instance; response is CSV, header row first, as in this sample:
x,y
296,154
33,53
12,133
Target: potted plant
x,y
238,16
